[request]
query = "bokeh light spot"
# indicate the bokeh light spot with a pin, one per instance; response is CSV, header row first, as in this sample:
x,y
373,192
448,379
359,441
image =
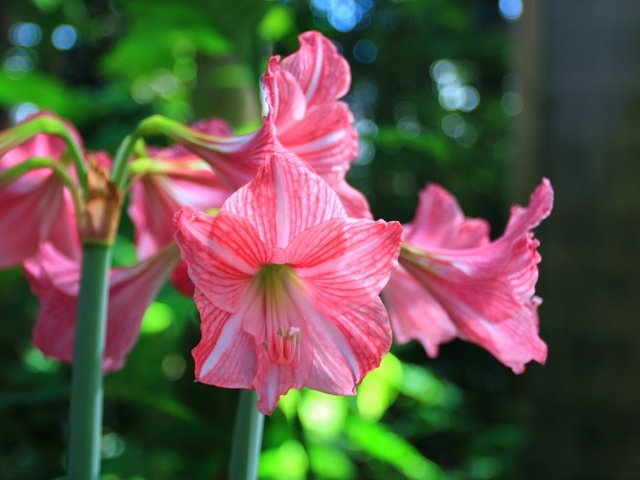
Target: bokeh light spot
x,y
21,111
64,37
365,51
25,34
510,9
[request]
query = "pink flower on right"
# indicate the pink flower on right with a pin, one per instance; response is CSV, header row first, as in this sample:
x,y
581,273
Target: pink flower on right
x,y
455,282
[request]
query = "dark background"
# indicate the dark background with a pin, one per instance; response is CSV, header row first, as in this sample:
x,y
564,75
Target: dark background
x,y
483,97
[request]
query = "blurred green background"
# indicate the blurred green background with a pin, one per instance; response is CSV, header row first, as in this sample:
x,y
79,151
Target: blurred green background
x,y
481,96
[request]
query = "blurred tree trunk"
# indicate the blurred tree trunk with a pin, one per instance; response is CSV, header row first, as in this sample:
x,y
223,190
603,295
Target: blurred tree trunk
x,y
581,128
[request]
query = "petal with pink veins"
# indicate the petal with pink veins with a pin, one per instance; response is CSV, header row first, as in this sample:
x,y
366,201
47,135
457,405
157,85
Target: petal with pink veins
x,y
345,262
485,289
285,199
347,347
223,253
55,278
321,71
415,314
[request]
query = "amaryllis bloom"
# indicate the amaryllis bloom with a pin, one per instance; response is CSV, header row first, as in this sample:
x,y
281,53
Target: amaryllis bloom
x,y
55,280
455,282
287,286
36,206
304,117
173,178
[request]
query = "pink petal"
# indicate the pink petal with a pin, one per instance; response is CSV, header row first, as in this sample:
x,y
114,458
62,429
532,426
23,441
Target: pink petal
x,y
347,347
155,197
36,208
439,222
540,206
514,342
415,314
235,159
321,71
223,253
274,380
287,105
487,290
54,279
325,139
225,355
285,199
345,262
40,145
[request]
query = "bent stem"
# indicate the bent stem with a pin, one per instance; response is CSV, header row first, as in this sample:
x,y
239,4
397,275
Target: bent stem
x,y
86,386
247,438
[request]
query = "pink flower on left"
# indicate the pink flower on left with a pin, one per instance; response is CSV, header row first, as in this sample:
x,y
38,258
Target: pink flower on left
x,y
40,230
287,286
35,207
55,280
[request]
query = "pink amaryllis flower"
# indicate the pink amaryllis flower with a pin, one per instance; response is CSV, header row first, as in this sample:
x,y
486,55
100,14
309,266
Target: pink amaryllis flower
x,y
35,206
170,179
175,178
55,280
305,117
455,282
287,286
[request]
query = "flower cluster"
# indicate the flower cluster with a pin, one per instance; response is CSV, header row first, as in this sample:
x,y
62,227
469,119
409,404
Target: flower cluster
x,y
281,255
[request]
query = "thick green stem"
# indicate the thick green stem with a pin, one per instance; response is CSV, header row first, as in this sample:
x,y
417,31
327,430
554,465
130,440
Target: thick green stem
x,y
86,387
247,438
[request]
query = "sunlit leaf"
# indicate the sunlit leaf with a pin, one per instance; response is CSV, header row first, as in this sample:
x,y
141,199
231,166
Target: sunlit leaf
x,y
34,360
276,23
289,403
379,388
383,444
322,414
124,252
422,385
157,318
287,462
331,463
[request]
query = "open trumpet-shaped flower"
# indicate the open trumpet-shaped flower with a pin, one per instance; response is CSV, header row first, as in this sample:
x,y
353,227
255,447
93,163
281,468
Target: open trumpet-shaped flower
x,y
55,280
455,282
287,286
36,206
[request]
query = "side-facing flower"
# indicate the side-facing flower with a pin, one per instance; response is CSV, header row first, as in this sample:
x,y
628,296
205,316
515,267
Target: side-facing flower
x,y
170,179
455,282
287,286
305,117
302,92
36,206
55,280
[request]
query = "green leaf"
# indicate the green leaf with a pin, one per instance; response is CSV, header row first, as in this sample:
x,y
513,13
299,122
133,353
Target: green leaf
x,y
383,444
287,462
379,389
276,23
157,318
323,414
331,463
